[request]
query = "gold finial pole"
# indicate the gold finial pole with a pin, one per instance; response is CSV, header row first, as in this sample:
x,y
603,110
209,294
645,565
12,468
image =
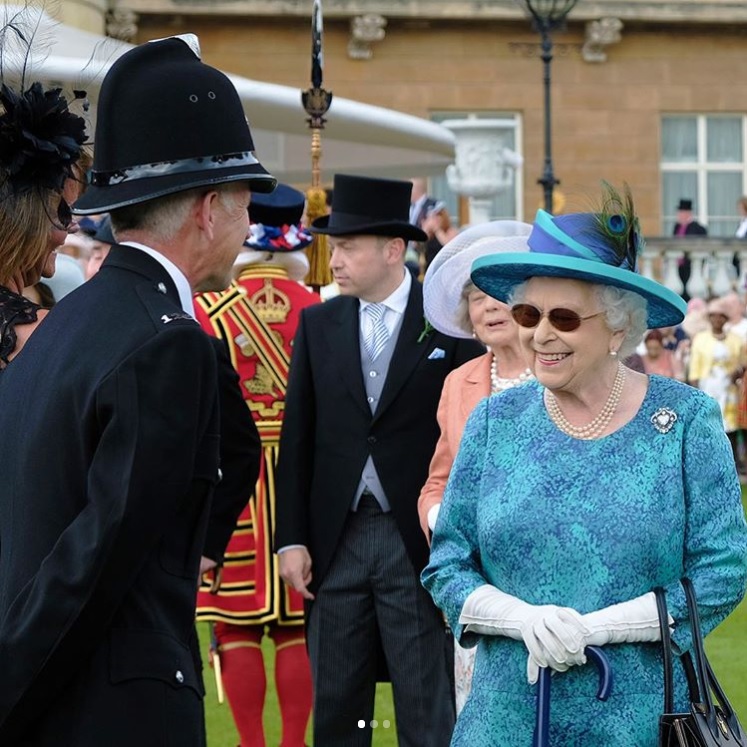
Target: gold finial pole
x,y
316,101
316,156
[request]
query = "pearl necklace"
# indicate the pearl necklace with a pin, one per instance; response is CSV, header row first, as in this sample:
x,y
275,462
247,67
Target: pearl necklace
x,y
597,426
498,383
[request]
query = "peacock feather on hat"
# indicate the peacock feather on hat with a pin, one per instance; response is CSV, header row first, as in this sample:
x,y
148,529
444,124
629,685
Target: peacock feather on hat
x,y
616,225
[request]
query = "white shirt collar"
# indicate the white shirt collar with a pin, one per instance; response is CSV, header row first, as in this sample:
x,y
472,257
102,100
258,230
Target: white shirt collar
x,y
396,301
180,280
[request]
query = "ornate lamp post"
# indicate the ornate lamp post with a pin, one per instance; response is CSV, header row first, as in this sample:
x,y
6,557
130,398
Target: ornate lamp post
x,y
548,16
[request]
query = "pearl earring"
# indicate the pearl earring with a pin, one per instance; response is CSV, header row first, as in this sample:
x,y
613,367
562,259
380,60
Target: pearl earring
x,y
613,353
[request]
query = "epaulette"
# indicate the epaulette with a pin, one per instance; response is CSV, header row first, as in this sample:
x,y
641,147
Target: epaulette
x,y
162,308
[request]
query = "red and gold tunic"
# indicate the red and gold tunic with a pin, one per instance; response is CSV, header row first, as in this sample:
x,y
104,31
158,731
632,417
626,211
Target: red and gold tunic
x,y
257,316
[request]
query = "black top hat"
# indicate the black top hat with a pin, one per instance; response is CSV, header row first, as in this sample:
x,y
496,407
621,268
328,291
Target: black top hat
x,y
685,205
167,122
363,205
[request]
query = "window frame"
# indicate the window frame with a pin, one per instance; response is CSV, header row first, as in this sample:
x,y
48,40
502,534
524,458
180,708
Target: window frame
x,y
702,168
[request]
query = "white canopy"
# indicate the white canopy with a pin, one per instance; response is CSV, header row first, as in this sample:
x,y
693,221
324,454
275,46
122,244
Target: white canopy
x,y
358,138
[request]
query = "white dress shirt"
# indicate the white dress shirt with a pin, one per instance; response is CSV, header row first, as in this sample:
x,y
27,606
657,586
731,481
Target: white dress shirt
x,y
395,303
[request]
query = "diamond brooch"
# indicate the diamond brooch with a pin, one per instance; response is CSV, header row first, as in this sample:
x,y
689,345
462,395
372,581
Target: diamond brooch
x,y
663,419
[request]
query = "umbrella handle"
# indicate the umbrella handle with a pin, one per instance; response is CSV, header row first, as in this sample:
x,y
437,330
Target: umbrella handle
x,y
605,672
542,724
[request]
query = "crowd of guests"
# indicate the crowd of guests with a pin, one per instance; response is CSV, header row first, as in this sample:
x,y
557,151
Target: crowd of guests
x,y
452,486
707,350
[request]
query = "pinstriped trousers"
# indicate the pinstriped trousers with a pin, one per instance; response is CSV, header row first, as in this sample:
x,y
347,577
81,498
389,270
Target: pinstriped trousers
x,y
371,590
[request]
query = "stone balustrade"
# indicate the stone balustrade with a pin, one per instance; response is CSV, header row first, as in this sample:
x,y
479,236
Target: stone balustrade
x,y
713,264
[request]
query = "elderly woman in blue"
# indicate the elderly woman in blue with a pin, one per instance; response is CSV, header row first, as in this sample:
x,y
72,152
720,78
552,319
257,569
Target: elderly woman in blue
x,y
576,495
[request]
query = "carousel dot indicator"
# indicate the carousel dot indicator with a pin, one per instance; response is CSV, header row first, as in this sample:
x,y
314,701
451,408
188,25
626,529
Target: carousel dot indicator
x,y
386,723
374,724
361,724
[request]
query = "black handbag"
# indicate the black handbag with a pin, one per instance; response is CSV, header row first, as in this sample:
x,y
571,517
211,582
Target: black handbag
x,y
708,723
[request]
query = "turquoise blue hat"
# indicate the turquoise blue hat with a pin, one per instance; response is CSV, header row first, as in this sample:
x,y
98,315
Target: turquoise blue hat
x,y
580,246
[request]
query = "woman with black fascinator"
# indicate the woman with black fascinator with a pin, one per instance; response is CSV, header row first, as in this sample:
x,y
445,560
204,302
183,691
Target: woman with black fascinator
x,y
41,144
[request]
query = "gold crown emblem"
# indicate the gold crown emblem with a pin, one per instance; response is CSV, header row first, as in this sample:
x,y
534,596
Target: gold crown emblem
x,y
271,304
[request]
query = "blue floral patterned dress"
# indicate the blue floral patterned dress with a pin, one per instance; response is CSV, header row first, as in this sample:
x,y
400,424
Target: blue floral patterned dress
x,y
586,524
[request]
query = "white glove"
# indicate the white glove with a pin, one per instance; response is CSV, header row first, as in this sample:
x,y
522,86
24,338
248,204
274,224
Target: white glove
x,y
634,621
554,636
433,515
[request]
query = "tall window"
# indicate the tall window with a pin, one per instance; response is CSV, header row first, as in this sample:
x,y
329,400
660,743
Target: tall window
x,y
506,204
703,160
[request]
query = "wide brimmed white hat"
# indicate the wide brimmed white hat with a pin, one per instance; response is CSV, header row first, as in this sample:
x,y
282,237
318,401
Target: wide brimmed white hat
x,y
450,269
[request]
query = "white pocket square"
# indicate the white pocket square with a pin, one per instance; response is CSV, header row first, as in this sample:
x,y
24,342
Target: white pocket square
x,y
436,353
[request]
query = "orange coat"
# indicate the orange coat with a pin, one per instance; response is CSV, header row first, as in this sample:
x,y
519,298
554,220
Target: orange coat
x,y
463,388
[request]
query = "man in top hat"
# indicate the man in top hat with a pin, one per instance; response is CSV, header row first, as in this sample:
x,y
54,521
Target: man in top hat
x,y
686,225
256,319
359,432
109,429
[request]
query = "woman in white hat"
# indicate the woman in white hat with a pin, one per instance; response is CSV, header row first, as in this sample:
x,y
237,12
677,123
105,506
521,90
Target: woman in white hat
x,y
575,496
455,306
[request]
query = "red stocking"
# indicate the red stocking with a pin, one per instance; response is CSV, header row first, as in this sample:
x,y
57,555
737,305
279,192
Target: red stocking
x,y
244,678
293,682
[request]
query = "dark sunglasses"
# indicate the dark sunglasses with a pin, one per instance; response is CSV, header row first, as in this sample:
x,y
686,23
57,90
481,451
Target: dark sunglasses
x,y
564,320
64,215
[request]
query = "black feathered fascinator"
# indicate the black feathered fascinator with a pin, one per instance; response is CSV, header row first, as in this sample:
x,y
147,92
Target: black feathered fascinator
x,y
40,138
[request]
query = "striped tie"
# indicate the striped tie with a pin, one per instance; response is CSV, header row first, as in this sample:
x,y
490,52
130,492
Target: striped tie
x,y
377,335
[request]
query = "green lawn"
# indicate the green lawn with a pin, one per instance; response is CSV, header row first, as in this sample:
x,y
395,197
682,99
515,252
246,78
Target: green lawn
x,y
220,728
727,654
726,646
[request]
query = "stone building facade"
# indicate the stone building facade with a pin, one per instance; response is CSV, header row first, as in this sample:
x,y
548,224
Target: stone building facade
x,y
650,93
